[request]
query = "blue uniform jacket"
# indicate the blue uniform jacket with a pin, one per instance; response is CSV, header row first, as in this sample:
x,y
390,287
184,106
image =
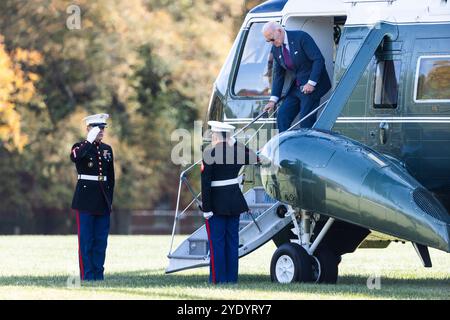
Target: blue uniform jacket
x,y
95,159
224,200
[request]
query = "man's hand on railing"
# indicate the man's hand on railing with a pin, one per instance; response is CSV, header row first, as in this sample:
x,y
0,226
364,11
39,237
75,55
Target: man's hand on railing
x,y
269,106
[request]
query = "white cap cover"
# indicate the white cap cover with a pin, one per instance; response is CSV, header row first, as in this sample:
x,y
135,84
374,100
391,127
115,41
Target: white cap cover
x,y
99,118
217,126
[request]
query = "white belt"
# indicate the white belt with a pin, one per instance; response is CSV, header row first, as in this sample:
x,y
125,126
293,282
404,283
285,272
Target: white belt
x,y
92,178
221,183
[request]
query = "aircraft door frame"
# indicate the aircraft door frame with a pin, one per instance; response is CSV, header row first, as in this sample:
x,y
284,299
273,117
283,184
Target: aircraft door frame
x,y
241,109
235,102
383,127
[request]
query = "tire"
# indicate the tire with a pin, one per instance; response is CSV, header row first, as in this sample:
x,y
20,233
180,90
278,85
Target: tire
x,y
328,262
290,263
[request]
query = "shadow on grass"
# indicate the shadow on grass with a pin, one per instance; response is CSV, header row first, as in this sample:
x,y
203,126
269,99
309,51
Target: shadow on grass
x,y
148,284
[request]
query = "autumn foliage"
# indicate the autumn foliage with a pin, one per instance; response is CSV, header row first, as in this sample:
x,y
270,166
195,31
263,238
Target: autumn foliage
x,y
150,64
17,87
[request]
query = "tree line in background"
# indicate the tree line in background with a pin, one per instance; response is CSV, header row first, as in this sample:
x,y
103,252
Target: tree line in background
x,y
150,64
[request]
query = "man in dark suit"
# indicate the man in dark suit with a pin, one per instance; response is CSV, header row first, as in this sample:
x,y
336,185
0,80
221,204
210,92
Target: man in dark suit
x,y
223,201
296,51
93,196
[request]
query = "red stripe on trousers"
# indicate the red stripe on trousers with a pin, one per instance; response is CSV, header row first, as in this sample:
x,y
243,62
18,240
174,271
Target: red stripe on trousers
x,y
80,258
213,270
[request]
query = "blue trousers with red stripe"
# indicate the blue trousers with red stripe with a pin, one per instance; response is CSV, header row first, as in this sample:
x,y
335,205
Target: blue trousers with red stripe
x,y
92,241
223,234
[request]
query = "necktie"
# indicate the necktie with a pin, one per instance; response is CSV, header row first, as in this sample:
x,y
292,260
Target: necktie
x,y
287,58
288,62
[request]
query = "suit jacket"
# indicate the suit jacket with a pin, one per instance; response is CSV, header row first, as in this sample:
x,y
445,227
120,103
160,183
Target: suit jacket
x,y
308,62
224,200
94,159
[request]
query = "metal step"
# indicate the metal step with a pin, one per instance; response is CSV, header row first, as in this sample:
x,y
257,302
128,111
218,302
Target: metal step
x,y
255,230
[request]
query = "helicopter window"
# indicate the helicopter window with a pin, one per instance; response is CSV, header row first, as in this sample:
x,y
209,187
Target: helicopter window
x,y
255,68
349,52
433,79
387,78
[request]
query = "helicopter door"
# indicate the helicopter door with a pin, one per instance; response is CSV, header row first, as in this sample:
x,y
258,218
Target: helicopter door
x,y
384,107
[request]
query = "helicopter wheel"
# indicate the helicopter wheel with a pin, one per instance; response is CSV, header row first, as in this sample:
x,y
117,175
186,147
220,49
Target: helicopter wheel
x,y
325,266
290,263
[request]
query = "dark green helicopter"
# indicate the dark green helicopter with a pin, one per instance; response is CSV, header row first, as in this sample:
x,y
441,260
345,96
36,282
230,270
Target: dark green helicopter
x,y
374,168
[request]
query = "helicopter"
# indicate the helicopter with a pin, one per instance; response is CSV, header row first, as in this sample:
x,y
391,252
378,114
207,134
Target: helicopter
x,y
375,166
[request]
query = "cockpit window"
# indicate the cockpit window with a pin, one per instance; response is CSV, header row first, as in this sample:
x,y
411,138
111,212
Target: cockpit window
x,y
254,76
433,79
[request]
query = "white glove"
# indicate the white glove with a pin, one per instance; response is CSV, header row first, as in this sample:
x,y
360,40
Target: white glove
x,y
92,134
207,215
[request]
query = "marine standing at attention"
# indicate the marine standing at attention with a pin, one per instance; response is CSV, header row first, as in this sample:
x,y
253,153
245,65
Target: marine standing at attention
x,y
93,196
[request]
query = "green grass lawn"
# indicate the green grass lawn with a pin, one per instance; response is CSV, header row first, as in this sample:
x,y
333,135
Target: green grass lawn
x,y
44,267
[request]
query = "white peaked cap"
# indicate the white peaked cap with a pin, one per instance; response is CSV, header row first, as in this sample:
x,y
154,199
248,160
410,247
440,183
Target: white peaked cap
x,y
99,118
217,126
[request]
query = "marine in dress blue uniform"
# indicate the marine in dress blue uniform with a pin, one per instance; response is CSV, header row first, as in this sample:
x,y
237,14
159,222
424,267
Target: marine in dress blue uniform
x,y
93,197
223,201
297,52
